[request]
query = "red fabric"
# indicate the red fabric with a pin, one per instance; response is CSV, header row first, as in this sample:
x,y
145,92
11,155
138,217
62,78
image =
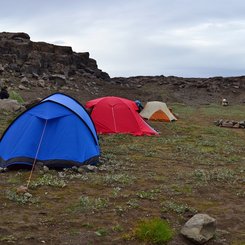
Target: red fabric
x,y
118,115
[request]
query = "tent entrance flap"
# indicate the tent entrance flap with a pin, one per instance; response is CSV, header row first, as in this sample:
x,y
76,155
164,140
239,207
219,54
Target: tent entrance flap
x,y
159,116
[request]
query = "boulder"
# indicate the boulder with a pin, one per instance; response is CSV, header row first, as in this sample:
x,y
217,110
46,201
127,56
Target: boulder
x,y
88,168
2,170
41,83
25,81
242,124
200,228
227,124
236,125
22,87
9,105
59,80
1,68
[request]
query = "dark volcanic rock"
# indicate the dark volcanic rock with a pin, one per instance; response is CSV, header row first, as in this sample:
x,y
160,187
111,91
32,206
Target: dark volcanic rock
x,y
20,55
188,90
37,69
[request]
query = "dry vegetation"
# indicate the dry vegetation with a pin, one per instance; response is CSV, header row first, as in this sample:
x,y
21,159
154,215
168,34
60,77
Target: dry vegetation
x,y
193,166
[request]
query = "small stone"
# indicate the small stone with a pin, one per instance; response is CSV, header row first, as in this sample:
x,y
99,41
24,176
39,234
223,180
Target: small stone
x,y
81,170
61,174
91,168
22,87
45,168
102,168
22,189
75,168
28,195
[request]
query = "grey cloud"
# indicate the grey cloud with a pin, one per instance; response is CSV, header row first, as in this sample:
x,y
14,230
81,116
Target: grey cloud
x,y
139,37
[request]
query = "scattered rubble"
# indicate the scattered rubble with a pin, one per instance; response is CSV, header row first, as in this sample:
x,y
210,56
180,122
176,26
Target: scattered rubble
x,y
230,123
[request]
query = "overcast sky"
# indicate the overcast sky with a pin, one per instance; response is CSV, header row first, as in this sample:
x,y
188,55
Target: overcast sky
x,y
189,38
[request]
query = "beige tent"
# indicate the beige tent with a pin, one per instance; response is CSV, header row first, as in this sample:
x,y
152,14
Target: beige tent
x,y
157,111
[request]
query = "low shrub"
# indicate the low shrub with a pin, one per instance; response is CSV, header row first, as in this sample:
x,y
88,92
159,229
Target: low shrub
x,y
48,180
89,204
156,231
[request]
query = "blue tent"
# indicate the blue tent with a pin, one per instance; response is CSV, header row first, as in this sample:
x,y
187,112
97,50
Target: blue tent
x,y
57,132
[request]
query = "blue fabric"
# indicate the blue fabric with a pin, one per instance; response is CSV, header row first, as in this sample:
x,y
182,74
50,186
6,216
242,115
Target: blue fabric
x,y
66,136
74,106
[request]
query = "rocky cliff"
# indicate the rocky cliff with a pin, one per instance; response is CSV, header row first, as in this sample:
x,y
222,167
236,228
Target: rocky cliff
x,y
19,55
187,90
37,69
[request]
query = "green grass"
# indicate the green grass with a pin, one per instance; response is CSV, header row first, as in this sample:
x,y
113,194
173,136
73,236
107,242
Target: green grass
x,y
238,242
8,239
230,112
101,232
16,96
156,231
193,165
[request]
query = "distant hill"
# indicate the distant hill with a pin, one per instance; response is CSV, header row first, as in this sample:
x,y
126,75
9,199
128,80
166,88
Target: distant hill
x,y
37,69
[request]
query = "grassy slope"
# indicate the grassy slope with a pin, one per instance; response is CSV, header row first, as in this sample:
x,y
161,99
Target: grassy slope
x,y
193,166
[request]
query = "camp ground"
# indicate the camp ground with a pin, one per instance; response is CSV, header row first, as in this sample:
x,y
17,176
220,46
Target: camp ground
x,y
113,115
189,169
104,174
157,111
58,132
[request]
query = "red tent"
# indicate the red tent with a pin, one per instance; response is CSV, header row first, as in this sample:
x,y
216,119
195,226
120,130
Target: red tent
x,y
117,115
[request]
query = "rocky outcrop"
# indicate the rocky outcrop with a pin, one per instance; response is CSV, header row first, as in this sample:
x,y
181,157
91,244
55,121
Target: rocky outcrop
x,y
188,90
37,69
213,84
19,55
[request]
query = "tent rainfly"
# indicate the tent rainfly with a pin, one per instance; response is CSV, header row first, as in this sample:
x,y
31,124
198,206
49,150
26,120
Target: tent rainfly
x,y
157,111
58,132
113,115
